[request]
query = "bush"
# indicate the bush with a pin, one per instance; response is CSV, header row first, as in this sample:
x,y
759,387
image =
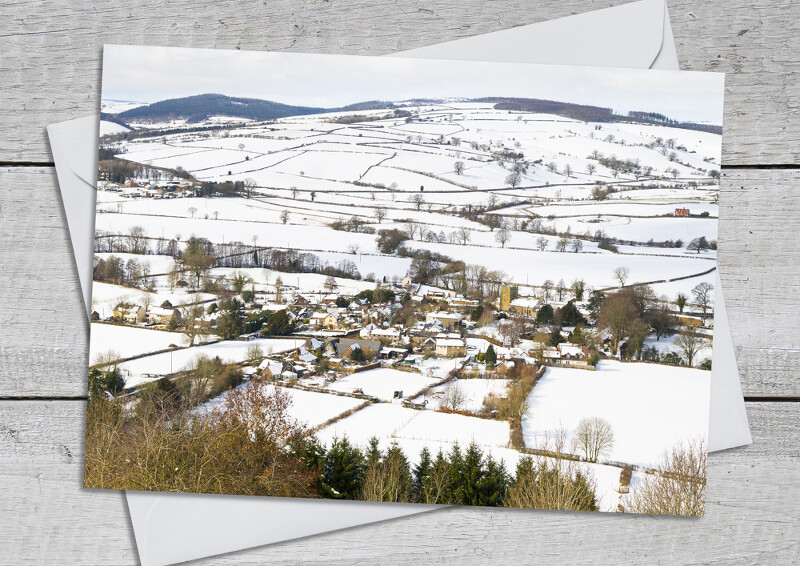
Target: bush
x,y
389,241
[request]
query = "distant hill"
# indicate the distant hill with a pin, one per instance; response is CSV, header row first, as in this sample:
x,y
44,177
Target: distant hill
x,y
588,113
197,108
200,107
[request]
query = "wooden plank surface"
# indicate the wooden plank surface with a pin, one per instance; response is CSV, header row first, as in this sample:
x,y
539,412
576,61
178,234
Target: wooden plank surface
x,y
45,344
752,512
49,71
50,52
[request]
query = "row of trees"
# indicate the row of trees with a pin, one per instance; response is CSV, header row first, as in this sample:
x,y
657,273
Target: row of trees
x,y
251,445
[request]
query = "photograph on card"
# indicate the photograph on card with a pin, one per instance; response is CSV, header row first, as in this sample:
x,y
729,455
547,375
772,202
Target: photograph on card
x,y
404,280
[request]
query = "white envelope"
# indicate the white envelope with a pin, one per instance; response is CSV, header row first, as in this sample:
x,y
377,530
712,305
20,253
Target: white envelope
x,y
176,527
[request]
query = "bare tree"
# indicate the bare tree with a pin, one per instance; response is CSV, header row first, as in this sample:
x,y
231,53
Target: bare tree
x,y
464,234
458,167
454,396
512,330
678,486
552,482
502,237
690,343
380,214
418,200
254,355
294,191
191,210
249,187
541,243
513,180
703,296
330,284
577,245
594,437
137,240
591,168
561,288
547,286
568,170
622,273
190,314
285,216
412,229
146,299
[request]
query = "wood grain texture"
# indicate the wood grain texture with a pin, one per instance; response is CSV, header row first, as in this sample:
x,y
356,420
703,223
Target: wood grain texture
x,y
45,337
753,516
50,52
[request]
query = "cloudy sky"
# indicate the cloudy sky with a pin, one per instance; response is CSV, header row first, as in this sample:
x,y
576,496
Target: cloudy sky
x,y
150,74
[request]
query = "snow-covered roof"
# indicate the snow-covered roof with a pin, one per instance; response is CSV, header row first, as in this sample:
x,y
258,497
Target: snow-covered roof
x,y
525,303
449,342
439,315
159,311
570,349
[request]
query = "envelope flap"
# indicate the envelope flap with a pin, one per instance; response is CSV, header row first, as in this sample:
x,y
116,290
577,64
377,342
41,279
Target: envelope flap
x,y
634,39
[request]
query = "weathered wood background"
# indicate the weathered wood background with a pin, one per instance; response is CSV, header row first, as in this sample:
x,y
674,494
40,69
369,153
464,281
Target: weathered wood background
x,y
49,72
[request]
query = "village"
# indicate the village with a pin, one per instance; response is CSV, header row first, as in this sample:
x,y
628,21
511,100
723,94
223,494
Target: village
x,y
483,298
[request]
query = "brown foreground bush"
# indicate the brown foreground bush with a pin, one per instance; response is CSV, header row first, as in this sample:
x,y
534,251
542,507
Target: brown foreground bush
x,y
250,446
678,487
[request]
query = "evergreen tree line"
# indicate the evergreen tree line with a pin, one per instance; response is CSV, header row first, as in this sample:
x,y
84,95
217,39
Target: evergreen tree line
x,y
458,477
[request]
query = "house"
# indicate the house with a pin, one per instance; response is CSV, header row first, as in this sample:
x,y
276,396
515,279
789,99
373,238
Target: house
x,y
131,314
448,320
375,332
341,347
300,301
330,300
323,320
459,302
450,347
360,305
570,351
681,212
524,306
406,283
392,353
162,316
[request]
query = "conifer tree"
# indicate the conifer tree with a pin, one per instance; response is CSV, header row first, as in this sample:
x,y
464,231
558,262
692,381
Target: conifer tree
x,y
494,484
343,470
422,472
453,488
490,357
471,476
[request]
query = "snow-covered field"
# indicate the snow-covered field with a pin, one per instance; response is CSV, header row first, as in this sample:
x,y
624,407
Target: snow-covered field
x,y
318,171
229,351
383,382
474,391
128,341
650,407
106,296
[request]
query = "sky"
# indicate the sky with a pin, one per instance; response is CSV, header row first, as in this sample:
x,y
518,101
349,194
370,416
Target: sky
x,y
149,74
